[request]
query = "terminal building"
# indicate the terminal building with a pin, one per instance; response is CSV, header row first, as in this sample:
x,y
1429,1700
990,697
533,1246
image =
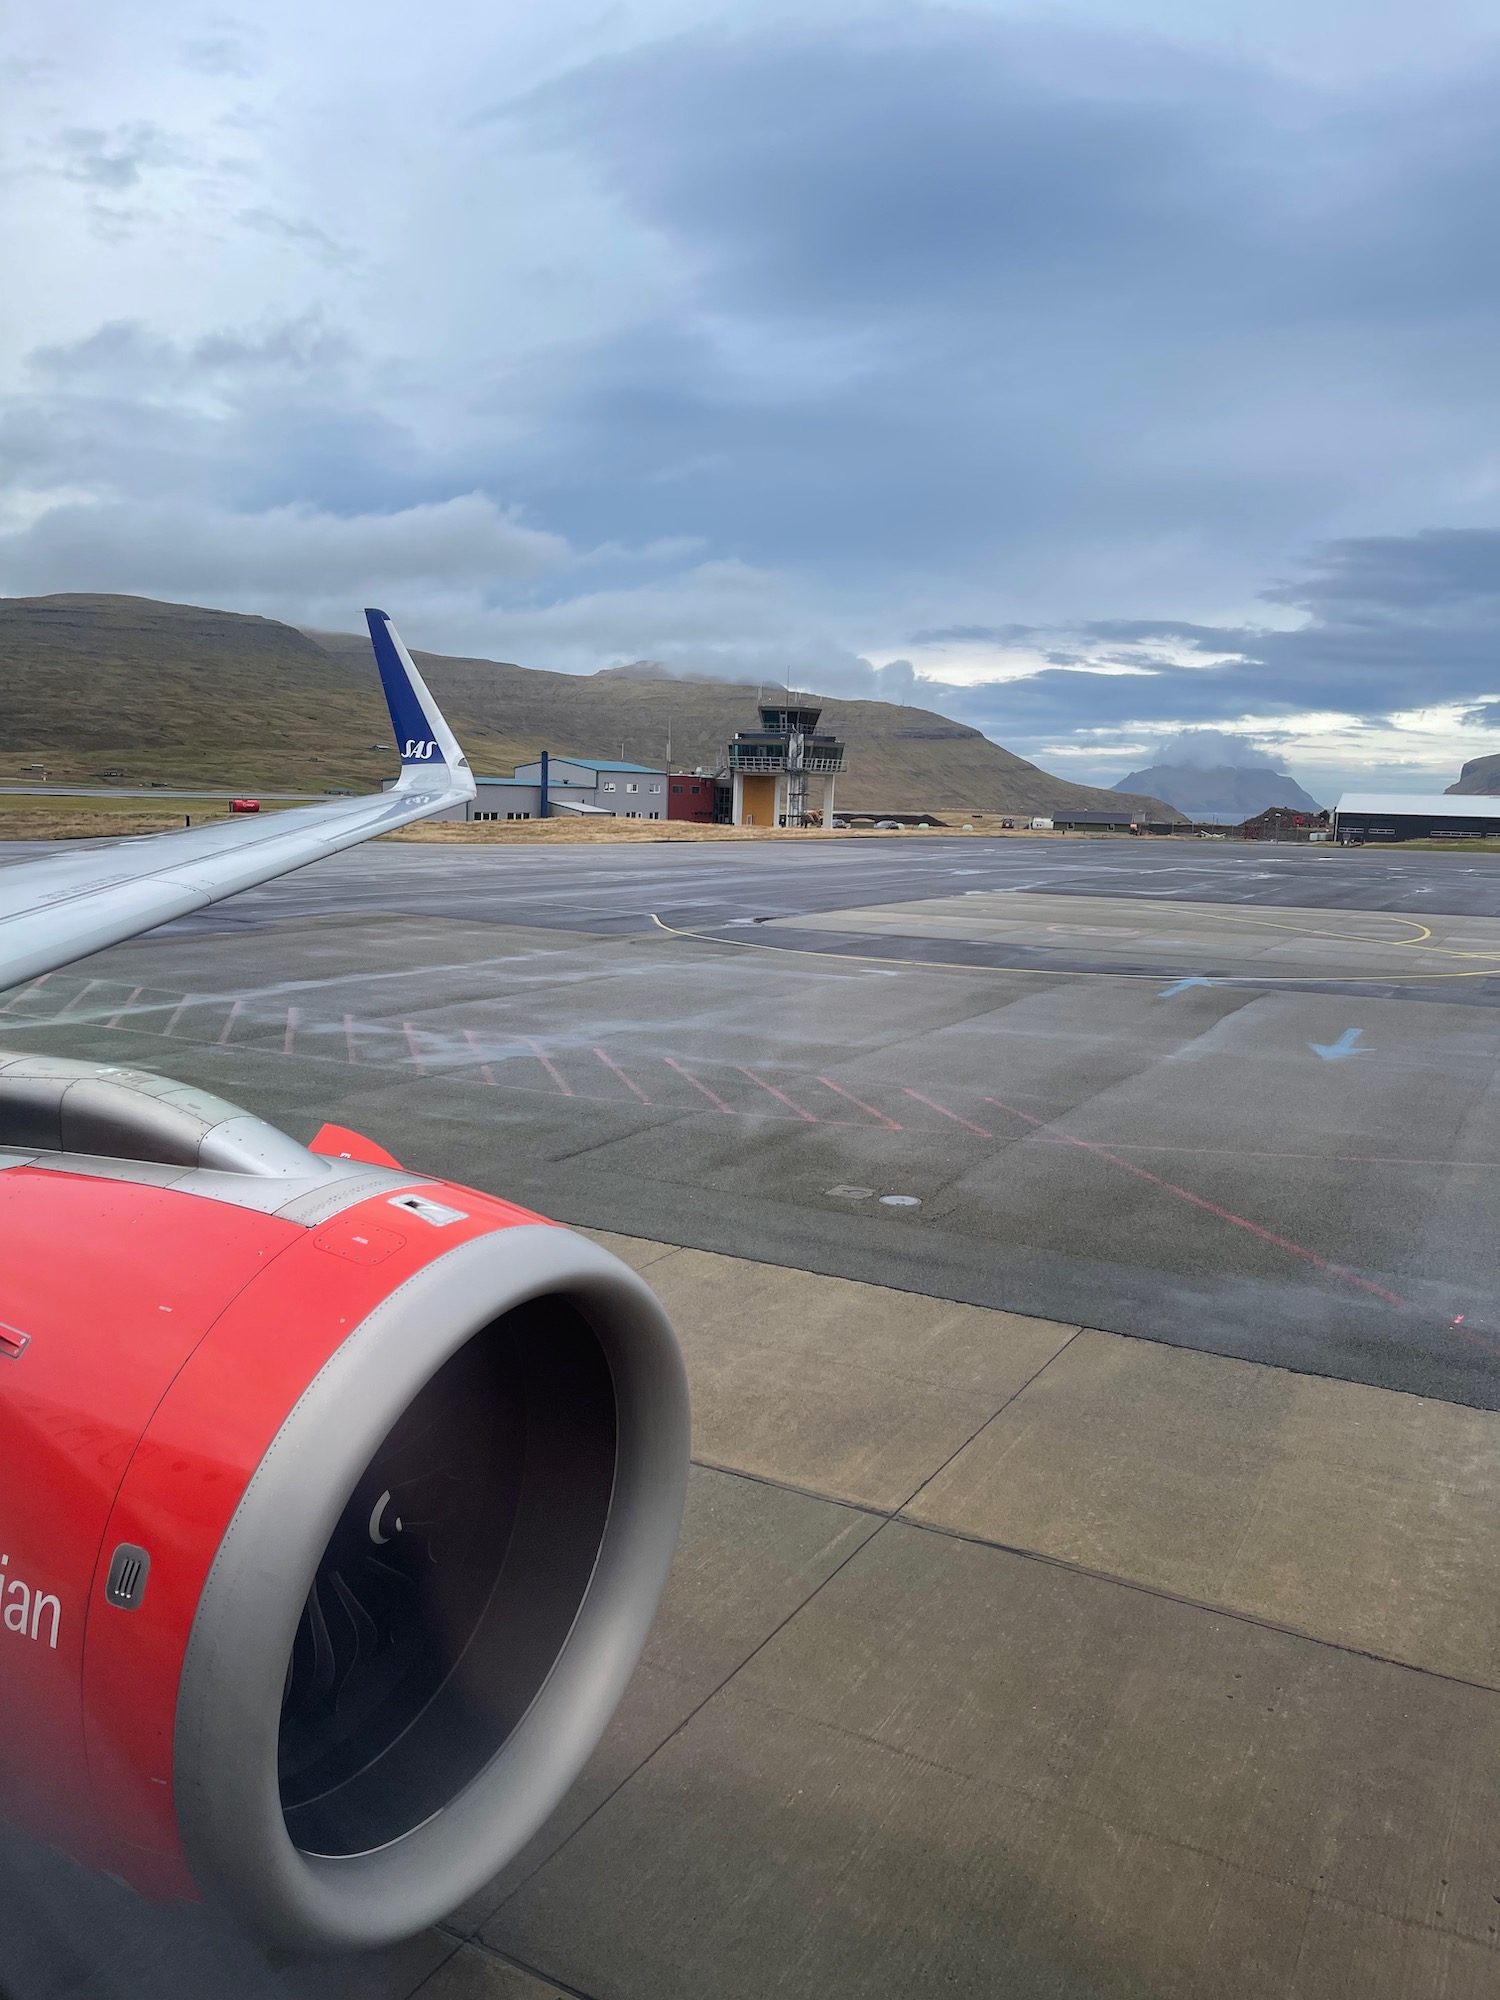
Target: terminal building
x,y
569,788
1385,816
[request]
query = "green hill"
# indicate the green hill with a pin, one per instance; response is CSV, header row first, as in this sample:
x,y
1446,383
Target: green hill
x,y
124,689
1479,778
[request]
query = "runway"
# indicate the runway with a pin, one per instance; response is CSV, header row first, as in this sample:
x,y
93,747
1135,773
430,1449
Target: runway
x,y
1233,1120
1085,1258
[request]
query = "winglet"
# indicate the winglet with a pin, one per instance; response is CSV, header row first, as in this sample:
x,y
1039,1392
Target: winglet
x,y
339,1143
423,737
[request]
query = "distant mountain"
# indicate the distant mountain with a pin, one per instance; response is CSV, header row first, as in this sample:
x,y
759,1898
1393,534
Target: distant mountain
x,y
1227,791
122,688
900,759
1481,776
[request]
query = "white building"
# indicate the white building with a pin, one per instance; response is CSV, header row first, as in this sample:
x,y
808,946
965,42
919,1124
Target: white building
x,y
577,788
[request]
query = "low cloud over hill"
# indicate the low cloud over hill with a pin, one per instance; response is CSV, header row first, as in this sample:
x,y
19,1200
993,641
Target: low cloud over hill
x,y
95,684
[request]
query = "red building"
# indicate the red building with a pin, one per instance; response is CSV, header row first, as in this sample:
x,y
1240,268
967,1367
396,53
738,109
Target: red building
x,y
1283,823
690,798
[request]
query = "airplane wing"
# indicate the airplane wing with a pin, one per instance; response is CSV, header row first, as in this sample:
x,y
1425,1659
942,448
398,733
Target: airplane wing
x,y
65,906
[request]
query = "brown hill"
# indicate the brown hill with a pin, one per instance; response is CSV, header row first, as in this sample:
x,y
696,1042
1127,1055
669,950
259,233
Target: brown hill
x,y
123,688
900,759
126,689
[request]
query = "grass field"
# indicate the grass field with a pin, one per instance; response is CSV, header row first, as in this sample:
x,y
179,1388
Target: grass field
x,y
26,817
1442,846
566,831
84,818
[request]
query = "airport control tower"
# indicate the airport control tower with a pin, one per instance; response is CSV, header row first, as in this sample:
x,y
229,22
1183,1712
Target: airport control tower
x,y
771,765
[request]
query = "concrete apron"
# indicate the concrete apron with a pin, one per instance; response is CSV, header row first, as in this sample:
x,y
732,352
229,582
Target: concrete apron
x,y
1010,1657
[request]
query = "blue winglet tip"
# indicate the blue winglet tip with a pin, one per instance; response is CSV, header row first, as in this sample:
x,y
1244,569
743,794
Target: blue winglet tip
x,y
414,739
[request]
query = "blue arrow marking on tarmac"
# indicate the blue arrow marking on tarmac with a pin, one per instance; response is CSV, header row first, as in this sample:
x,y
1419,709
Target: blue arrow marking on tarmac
x,y
1344,1046
1181,986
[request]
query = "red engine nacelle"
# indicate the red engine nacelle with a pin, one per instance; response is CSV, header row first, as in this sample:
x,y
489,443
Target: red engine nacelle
x,y
335,1505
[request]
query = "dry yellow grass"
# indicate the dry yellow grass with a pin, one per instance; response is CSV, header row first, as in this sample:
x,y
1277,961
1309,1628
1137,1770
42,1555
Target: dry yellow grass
x,y
113,819
570,832
24,817
60,825
589,833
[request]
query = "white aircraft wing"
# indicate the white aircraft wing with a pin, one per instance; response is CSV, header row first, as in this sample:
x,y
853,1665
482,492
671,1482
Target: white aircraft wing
x,y
64,906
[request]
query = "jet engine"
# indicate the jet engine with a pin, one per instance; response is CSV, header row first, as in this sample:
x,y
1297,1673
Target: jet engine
x,y
335,1506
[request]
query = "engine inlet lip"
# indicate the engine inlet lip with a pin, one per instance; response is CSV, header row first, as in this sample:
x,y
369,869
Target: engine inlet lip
x,y
226,1784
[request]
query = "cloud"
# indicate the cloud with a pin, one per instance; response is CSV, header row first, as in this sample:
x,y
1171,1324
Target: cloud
x,y
720,620
276,415
298,230
306,563
1216,749
1093,384
127,357
788,655
115,159
1387,623
1110,306
227,53
912,171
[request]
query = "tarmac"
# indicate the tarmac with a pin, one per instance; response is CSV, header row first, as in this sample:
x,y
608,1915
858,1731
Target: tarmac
x,y
1089,1584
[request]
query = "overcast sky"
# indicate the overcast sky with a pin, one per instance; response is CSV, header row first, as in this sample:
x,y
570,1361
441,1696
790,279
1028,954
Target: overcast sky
x,y
1088,372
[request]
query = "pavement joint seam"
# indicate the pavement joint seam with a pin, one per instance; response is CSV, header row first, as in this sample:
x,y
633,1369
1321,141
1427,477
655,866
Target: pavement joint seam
x,y
1205,1605
790,1486
884,1521
1063,1563
1097,1817
993,1417
427,1978
1315,1894
903,1518
478,1944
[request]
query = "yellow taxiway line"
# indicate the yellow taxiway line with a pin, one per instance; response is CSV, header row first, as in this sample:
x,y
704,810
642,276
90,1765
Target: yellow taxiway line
x,y
1485,971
